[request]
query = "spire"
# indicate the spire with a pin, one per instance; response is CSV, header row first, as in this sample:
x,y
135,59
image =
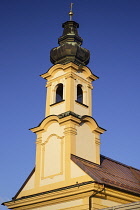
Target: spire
x,y
69,49
71,13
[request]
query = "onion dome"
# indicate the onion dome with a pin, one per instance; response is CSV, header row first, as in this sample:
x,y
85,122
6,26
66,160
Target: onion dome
x,y
69,49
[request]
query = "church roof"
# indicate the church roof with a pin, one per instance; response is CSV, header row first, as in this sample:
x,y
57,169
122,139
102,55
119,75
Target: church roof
x,y
111,173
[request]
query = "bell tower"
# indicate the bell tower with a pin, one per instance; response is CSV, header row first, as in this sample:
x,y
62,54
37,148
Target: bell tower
x,y
69,86
68,128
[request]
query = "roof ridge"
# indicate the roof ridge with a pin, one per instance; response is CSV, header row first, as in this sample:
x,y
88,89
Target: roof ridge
x,y
119,162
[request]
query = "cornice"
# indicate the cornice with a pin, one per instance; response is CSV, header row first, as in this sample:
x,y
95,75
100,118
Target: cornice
x,y
69,115
65,114
79,190
70,67
66,117
51,196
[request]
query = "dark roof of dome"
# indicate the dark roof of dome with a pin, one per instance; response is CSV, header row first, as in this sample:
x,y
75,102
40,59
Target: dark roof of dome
x,y
69,49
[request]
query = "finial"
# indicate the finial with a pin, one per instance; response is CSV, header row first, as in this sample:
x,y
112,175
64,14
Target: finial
x,y
71,13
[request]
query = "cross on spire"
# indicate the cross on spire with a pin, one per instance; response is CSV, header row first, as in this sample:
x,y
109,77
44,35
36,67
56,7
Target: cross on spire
x,y
71,12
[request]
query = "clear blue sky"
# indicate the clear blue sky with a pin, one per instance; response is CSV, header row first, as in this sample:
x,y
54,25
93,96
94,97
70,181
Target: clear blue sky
x,y
29,29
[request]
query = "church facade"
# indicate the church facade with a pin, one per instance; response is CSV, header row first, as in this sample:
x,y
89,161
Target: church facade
x,y
70,172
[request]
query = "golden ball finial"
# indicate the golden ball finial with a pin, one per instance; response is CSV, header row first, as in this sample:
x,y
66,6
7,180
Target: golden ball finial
x,y
71,12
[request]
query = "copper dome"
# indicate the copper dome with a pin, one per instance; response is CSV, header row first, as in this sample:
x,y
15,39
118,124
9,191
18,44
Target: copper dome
x,y
69,49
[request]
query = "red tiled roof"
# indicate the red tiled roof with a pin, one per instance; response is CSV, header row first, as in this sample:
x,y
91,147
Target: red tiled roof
x,y
111,173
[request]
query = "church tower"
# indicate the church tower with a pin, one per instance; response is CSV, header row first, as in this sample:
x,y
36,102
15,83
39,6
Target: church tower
x,y
68,127
68,169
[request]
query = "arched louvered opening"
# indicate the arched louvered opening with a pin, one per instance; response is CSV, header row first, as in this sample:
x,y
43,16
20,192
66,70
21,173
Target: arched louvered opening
x,y
79,93
59,93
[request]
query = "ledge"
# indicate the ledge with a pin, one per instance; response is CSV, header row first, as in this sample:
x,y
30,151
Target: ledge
x,y
81,104
57,103
68,113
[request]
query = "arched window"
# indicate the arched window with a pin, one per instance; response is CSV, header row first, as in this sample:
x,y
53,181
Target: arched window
x,y
59,93
79,93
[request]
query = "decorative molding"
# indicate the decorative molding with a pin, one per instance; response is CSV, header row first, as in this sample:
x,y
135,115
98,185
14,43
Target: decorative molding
x,y
43,157
70,131
48,84
70,75
90,86
97,141
68,113
39,140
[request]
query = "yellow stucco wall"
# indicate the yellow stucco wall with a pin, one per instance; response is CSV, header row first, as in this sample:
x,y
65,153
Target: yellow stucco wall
x,y
55,172
85,143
